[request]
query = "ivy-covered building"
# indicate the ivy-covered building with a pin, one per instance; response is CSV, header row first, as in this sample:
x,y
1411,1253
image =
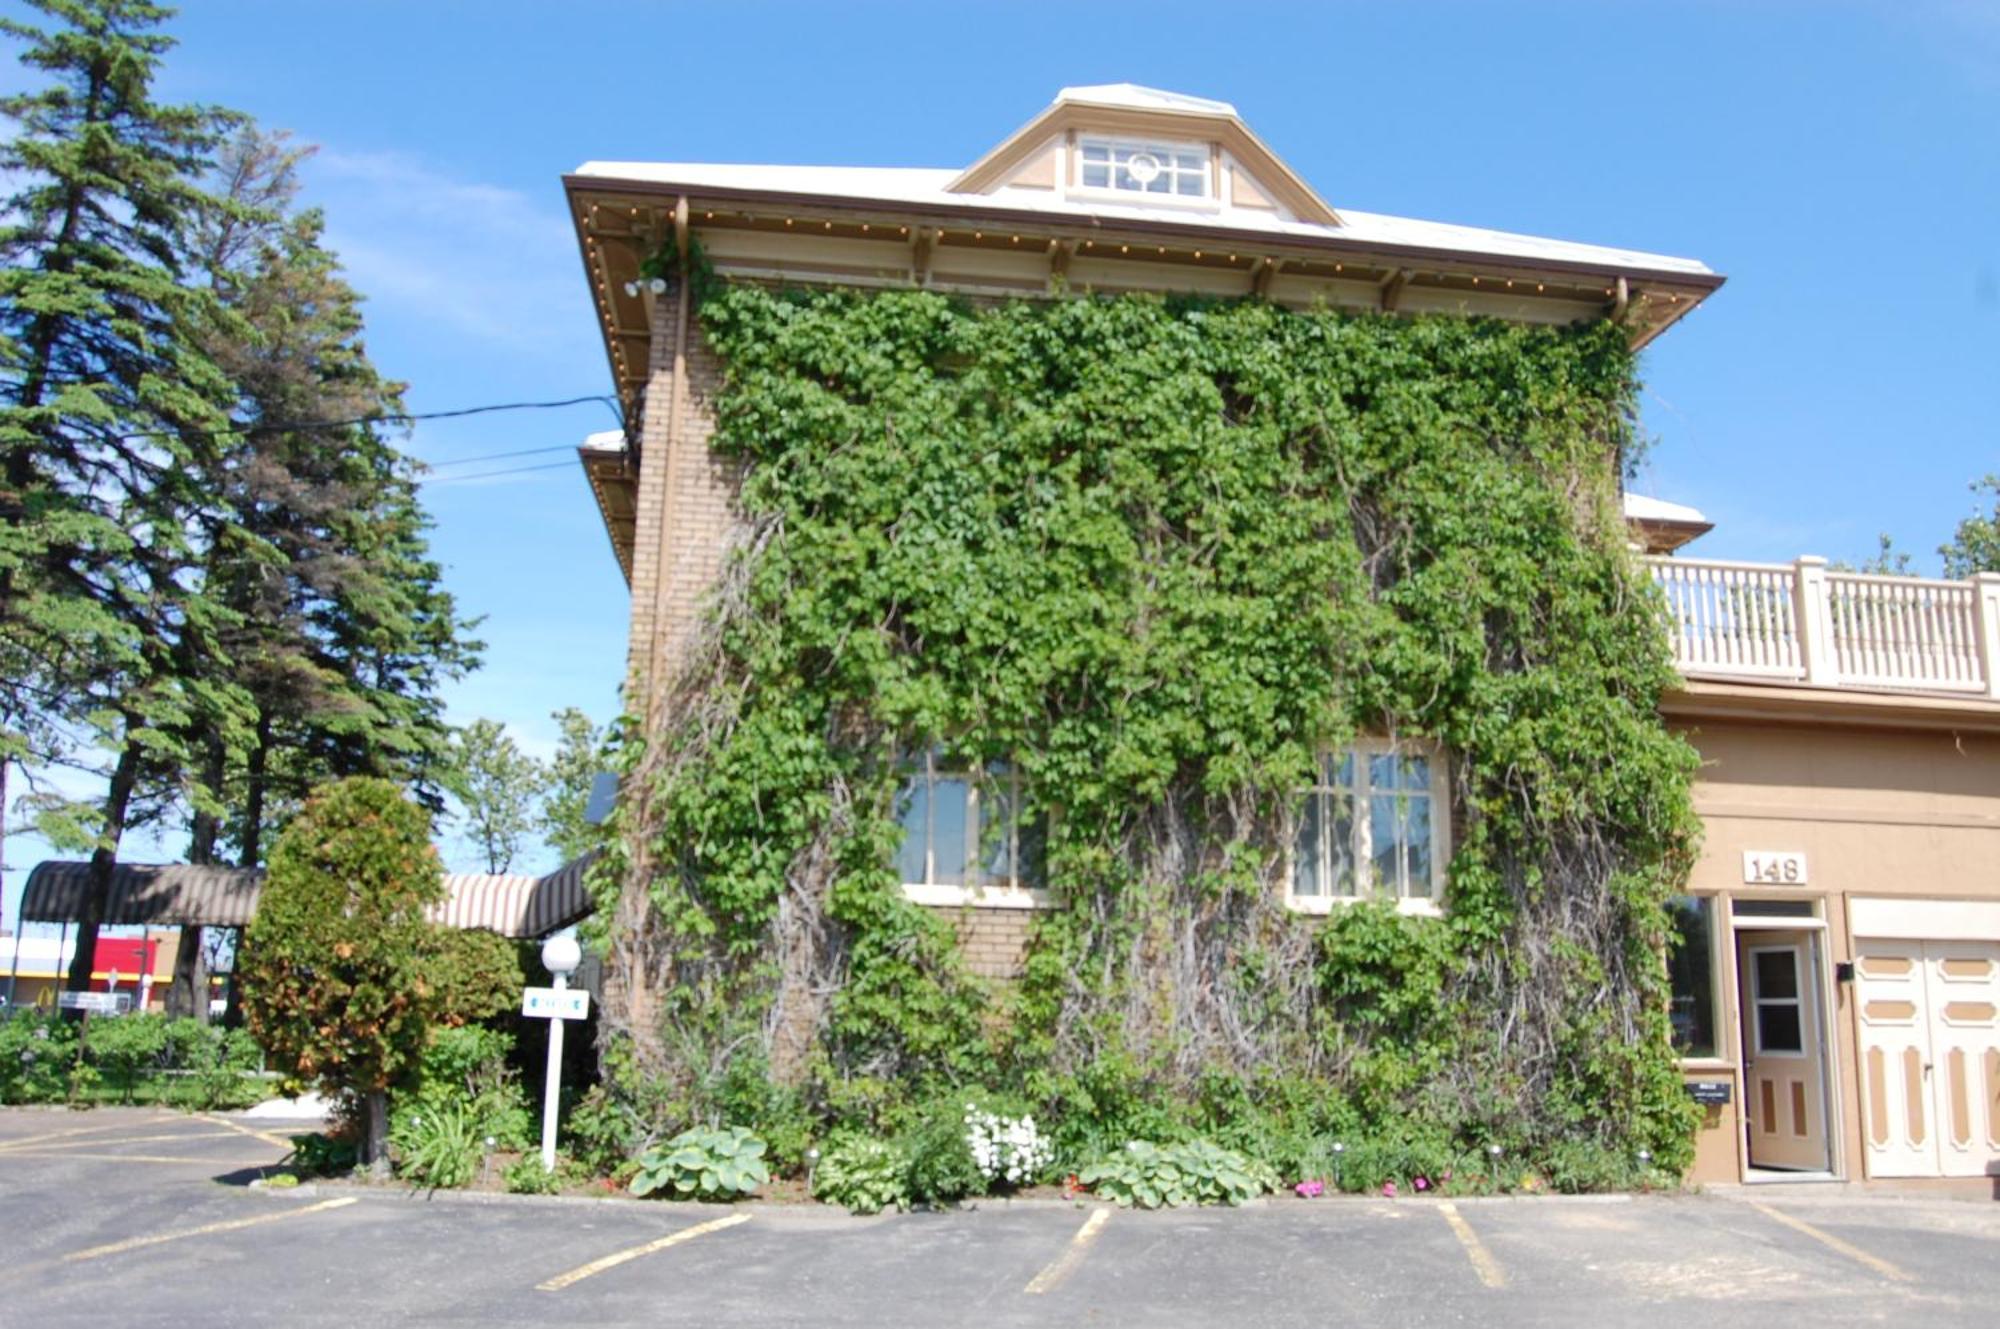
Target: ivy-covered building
x,y
1113,627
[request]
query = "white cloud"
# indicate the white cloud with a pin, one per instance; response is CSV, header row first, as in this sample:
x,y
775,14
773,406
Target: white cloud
x,y
478,259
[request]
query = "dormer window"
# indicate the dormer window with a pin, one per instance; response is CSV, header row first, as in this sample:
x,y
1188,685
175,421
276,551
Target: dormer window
x,y
1177,170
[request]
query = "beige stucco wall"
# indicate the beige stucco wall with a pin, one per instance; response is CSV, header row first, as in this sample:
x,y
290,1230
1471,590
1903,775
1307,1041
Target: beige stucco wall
x,y
1876,812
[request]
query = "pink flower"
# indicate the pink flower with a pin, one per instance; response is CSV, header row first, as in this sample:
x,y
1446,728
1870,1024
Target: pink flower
x,y
1310,1190
1444,1176
1389,1189
1422,1183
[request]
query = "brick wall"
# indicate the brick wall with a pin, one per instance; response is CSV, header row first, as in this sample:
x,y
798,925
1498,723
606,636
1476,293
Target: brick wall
x,y
993,941
686,503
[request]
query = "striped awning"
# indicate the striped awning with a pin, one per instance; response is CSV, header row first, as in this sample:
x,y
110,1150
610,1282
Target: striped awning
x,y
185,895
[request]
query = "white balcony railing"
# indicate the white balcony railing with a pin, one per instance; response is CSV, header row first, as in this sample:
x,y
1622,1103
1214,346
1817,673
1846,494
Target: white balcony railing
x,y
1801,622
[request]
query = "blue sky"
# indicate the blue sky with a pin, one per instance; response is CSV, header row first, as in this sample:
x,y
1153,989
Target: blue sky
x,y
1839,161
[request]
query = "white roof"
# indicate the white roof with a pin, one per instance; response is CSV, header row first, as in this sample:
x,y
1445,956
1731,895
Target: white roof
x,y
607,440
927,187
1644,507
1143,99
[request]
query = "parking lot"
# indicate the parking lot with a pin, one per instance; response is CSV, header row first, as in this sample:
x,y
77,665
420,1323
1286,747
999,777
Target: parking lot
x,y
141,1217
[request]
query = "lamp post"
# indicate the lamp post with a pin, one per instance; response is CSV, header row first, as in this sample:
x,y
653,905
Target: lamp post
x,y
560,956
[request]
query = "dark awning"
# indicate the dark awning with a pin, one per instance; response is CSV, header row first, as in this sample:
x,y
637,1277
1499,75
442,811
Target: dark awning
x,y
187,895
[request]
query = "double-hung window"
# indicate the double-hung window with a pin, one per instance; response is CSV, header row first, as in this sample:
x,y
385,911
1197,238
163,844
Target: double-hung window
x,y
1372,825
965,838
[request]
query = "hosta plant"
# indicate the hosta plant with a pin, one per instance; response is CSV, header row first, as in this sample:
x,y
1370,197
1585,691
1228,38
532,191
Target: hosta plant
x,y
1166,1176
704,1164
866,1176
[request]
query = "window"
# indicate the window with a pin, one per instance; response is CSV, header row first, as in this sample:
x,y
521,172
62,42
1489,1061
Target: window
x,y
964,838
1691,974
1175,170
1372,824
1775,985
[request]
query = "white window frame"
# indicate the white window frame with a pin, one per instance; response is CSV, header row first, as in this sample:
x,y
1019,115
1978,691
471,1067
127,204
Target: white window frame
x,y
976,892
1210,199
1360,846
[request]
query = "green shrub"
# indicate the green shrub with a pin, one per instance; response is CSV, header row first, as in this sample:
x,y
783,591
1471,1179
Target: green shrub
x,y
465,1067
124,1046
526,1176
865,1175
218,1065
320,1155
36,1051
603,1133
704,1164
437,1147
938,1161
1578,1166
1153,1176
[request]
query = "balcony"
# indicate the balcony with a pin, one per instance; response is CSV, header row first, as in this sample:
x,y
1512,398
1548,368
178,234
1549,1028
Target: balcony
x,y
1804,623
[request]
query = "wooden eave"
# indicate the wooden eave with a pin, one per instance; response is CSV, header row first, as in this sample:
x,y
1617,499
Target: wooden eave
x,y
1656,535
614,481
1279,180
1783,703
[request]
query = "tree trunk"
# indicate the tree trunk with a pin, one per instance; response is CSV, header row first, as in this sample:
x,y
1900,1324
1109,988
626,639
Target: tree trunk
x,y
207,826
188,997
375,1136
254,780
97,890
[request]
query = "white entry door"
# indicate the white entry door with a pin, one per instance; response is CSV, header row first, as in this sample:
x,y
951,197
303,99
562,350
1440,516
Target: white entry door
x,y
1930,1056
1784,1072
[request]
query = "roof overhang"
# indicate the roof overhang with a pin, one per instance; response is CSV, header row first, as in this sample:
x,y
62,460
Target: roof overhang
x,y
1697,700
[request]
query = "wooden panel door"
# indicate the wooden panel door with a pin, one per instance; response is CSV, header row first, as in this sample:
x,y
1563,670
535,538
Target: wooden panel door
x,y
1892,1003
1784,1070
1962,980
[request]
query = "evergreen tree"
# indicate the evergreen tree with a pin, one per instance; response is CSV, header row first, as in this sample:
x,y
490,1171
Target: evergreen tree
x,y
342,633
108,415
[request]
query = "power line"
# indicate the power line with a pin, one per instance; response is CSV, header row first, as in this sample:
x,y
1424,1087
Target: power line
x,y
498,456
395,417
488,475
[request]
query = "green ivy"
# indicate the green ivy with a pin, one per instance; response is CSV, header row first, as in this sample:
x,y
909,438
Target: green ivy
x,y
1158,554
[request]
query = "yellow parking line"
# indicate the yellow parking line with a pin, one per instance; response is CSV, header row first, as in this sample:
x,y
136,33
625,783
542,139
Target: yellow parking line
x,y
1063,1265
1483,1263
278,1141
137,1158
1847,1248
130,1139
206,1229
612,1261
5,1145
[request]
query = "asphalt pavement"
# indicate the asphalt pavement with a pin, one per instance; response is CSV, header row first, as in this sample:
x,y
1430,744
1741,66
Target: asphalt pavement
x,y
139,1217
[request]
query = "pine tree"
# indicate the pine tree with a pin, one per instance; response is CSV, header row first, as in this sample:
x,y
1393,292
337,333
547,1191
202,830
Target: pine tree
x,y
343,633
108,414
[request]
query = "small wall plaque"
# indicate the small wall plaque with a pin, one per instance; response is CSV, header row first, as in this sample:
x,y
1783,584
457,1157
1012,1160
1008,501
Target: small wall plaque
x,y
1709,1093
1774,867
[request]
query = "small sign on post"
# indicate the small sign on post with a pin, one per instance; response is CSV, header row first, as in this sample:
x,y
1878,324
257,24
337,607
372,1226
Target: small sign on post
x,y
560,956
556,1003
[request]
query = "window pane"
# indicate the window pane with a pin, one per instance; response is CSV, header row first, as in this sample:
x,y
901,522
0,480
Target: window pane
x,y
1690,975
913,811
1778,1027
1096,175
948,830
996,820
1343,774
1308,848
1190,160
1777,974
1097,152
1340,845
1382,846
1417,841
1416,772
1031,846
1382,771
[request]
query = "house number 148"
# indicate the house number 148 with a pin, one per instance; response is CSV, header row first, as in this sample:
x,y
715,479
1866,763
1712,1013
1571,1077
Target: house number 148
x,y
1763,868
